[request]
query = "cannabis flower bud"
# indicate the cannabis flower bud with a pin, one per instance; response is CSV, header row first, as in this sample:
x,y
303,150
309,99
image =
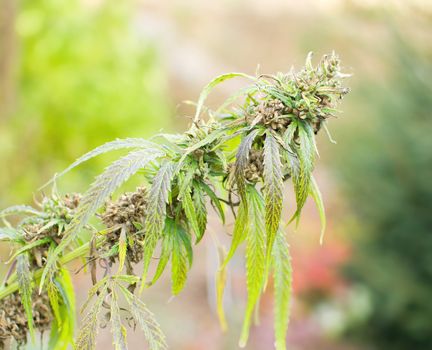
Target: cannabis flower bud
x,y
13,319
127,213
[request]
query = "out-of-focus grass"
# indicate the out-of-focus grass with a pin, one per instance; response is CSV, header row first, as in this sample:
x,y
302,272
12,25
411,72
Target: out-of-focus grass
x,y
82,75
386,171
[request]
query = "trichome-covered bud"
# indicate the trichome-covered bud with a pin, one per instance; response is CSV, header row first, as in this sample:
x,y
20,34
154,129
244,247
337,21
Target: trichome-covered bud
x,y
127,213
254,169
272,113
13,319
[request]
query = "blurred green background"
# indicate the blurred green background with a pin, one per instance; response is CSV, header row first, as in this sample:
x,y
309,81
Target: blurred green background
x,y
77,73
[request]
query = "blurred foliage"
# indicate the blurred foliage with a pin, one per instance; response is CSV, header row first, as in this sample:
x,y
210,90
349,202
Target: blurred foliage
x,y
387,170
84,76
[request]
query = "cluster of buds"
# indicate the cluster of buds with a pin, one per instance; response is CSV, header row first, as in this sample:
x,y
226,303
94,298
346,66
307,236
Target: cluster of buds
x,y
13,319
57,213
255,167
127,213
273,113
318,90
310,95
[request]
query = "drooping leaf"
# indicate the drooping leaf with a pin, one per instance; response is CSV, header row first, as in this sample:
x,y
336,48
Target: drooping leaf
x,y
255,257
316,195
181,258
273,189
306,155
145,319
282,289
178,270
242,158
104,185
87,334
156,213
117,329
199,203
25,283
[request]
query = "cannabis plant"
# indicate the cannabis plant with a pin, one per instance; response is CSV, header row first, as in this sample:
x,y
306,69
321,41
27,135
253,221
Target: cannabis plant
x,y
236,159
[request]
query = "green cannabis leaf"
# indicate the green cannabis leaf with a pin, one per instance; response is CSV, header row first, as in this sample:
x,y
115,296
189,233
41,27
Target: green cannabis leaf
x,y
255,256
273,182
25,282
156,212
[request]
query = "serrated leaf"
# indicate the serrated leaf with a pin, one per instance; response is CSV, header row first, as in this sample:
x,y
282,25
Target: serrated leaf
x,y
316,195
178,270
282,287
156,213
199,203
117,329
273,189
108,147
87,334
123,244
104,185
145,319
306,156
181,258
255,257
25,283
242,158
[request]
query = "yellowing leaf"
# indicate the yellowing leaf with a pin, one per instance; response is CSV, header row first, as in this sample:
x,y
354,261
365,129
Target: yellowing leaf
x,y
282,287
